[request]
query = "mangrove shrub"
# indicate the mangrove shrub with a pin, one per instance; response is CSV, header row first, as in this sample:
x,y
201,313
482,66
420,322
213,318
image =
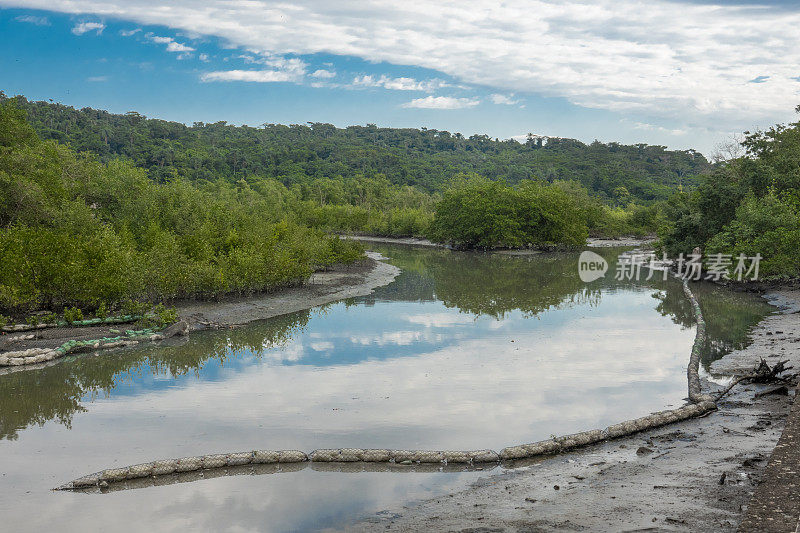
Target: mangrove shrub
x,y
479,213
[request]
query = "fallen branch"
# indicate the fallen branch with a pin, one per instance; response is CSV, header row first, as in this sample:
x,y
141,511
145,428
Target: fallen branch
x,y
763,374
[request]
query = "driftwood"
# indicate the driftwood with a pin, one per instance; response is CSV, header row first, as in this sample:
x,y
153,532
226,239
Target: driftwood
x,y
764,374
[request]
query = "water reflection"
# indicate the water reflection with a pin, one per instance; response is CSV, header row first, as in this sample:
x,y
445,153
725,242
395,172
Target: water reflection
x,y
461,351
729,316
62,385
475,285
291,468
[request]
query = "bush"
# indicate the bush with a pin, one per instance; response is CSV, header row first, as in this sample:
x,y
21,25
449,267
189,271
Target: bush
x,y
133,308
165,316
478,213
748,205
765,226
344,251
72,314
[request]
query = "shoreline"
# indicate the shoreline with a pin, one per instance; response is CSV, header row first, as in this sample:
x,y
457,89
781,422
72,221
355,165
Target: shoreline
x,y
337,283
591,242
695,475
324,287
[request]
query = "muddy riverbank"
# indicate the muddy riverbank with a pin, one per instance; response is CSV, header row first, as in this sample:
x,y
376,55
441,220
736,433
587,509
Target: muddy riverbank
x,y
408,241
696,475
591,242
336,283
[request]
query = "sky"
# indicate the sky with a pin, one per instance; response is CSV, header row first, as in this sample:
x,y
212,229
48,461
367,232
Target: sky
x,y
680,74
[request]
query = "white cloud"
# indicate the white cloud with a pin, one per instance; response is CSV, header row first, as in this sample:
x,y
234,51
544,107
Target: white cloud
x,y
128,33
292,66
282,69
261,76
178,47
322,346
31,19
172,44
204,58
85,27
97,78
684,61
442,102
502,99
398,84
324,74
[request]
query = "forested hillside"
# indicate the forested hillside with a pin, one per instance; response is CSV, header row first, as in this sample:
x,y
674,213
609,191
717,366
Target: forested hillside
x,y
301,155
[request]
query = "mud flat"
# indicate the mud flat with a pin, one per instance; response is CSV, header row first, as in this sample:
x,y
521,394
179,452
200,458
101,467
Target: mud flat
x,y
591,242
408,241
322,288
696,475
622,241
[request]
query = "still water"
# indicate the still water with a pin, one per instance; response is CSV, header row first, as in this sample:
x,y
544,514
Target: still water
x,y
461,351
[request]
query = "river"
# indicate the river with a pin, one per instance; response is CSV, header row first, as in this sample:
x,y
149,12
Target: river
x,y
461,351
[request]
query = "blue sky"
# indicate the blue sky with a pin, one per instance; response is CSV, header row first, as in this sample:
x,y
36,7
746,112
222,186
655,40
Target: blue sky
x,y
687,75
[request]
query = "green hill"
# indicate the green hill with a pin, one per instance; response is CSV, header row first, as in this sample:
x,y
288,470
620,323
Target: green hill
x,y
424,158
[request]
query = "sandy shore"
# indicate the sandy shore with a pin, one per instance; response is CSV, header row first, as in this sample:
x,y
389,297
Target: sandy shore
x,y
696,475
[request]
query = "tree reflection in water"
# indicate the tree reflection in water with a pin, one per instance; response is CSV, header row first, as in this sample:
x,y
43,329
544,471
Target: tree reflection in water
x,y
474,283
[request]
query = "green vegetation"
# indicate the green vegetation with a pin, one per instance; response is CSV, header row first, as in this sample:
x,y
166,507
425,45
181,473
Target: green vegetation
x,y
315,158
365,205
748,205
124,208
72,314
48,318
377,181
479,213
164,316
360,179
75,232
